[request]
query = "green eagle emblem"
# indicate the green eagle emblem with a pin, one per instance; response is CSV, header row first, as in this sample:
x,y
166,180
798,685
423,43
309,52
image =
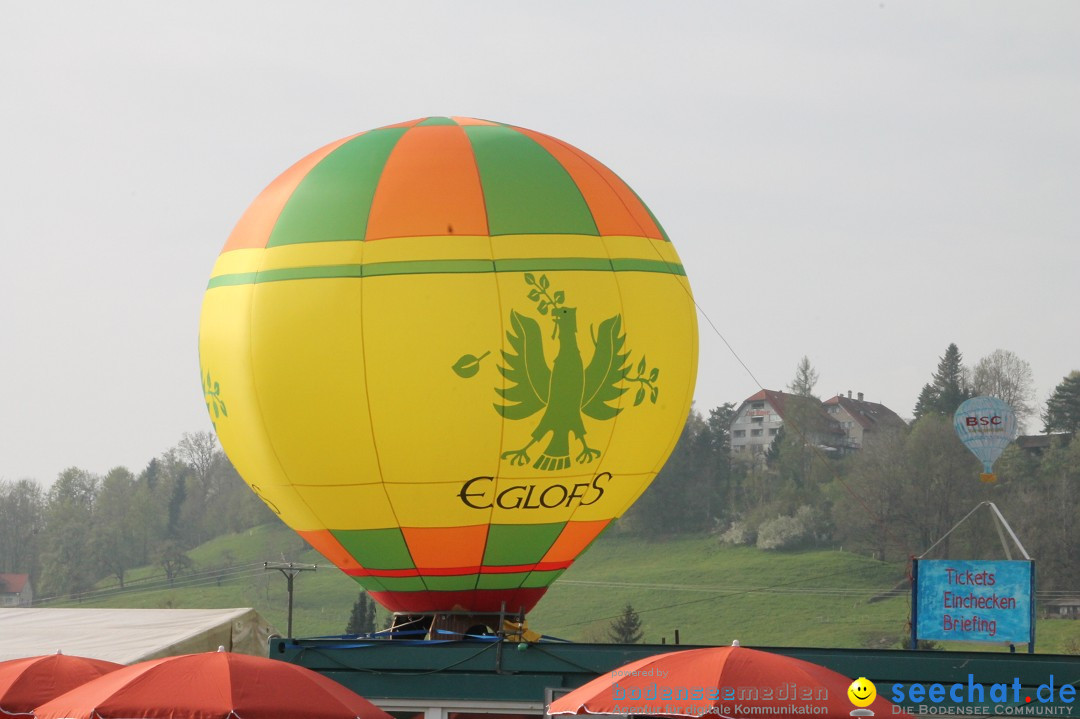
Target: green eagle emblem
x,y
566,390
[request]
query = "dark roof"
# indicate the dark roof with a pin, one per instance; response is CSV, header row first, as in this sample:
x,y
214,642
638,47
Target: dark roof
x,y
779,400
1039,442
870,415
13,583
776,399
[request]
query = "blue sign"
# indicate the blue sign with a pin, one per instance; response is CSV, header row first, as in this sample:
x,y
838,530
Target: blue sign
x,y
974,601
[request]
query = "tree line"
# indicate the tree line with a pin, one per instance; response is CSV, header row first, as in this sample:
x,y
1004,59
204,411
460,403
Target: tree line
x,y
85,527
901,493
898,495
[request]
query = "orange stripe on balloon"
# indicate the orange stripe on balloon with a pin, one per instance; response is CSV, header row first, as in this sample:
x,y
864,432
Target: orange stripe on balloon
x,y
466,121
327,545
429,186
614,206
434,547
255,225
441,572
572,541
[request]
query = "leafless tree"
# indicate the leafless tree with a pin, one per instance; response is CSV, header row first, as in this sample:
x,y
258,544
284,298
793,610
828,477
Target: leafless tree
x,y
1004,375
199,450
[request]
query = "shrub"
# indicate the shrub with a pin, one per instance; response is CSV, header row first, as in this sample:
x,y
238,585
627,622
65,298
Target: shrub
x,y
781,533
739,533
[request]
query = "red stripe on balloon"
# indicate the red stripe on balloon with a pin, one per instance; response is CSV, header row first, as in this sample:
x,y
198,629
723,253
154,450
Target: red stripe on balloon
x,y
365,572
458,571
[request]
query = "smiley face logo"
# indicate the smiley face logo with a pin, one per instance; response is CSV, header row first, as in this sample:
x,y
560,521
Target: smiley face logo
x,y
862,692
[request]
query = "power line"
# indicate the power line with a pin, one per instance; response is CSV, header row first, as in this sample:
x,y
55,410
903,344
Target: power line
x,y
157,584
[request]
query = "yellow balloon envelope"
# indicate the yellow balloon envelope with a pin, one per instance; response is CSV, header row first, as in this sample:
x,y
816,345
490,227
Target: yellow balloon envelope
x,y
448,353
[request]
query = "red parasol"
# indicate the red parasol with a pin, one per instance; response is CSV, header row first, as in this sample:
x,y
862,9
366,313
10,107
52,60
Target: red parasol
x,y
211,685
26,683
731,682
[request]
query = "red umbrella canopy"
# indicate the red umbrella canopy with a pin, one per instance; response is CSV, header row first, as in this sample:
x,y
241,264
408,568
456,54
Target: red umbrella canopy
x,y
730,682
26,683
212,685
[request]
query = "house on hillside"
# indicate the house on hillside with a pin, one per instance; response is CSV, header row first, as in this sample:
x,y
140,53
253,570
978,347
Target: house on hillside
x,y
756,423
1038,443
838,425
759,418
15,590
860,419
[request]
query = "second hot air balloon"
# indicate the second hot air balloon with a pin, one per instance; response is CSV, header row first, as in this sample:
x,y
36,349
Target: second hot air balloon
x,y
986,425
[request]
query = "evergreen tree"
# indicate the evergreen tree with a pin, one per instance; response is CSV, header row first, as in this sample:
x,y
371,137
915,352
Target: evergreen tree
x,y
772,452
626,628
924,405
362,618
664,506
950,381
1063,407
948,389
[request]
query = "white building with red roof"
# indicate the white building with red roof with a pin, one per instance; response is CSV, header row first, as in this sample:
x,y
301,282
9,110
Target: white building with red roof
x,y
843,424
15,590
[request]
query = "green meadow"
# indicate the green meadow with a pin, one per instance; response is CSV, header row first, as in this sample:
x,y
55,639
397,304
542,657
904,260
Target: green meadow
x,y
708,592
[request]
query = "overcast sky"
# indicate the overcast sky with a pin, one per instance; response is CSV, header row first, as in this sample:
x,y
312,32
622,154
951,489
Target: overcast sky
x,y
859,182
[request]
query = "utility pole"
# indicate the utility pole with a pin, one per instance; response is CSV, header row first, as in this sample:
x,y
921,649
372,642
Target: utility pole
x,y
290,570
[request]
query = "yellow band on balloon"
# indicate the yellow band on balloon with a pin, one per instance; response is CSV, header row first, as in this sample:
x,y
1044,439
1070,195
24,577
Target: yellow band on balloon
x,y
429,251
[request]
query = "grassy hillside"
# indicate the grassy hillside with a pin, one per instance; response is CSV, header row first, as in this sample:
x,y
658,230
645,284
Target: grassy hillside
x,y
714,594
710,593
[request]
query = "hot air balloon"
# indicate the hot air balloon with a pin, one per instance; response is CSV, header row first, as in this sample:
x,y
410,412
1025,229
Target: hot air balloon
x,y
985,425
448,352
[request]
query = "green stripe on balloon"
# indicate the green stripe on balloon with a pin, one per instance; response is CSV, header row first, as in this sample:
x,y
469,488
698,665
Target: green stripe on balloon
x,y
237,278
540,580
436,121
435,267
320,272
376,548
399,584
459,583
514,544
526,190
574,264
425,267
370,583
511,580
333,200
